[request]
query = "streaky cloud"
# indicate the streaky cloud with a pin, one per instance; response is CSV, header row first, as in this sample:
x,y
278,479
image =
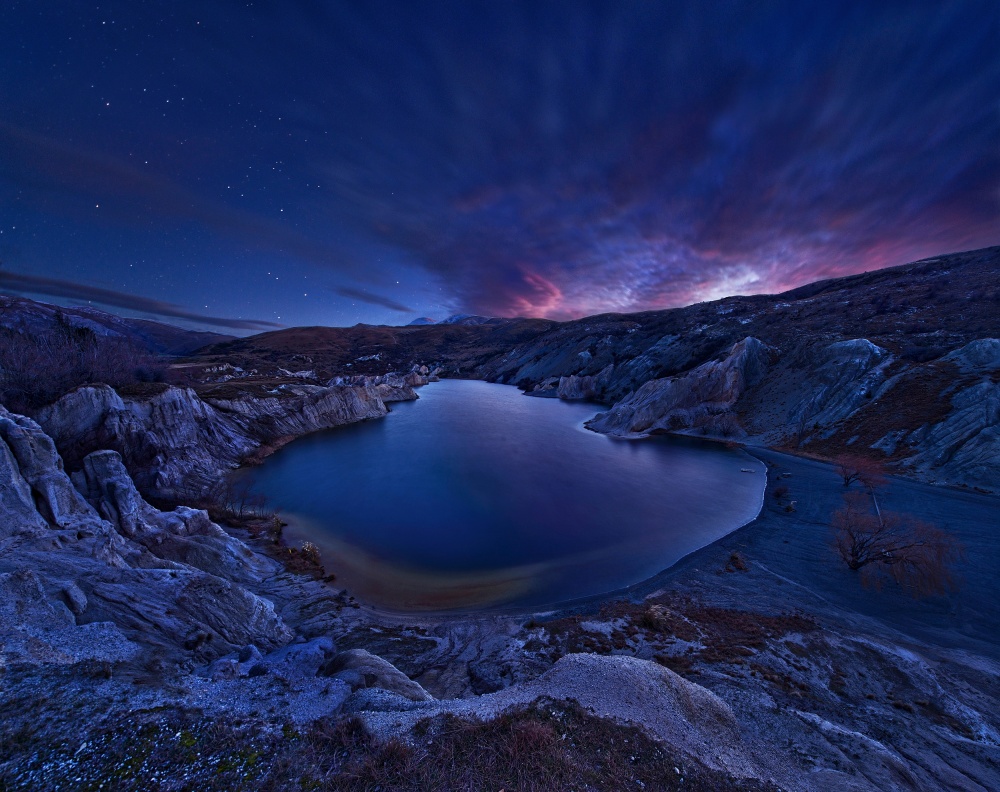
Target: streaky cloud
x,y
372,299
52,287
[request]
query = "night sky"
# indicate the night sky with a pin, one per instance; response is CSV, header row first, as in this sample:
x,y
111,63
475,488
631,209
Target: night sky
x,y
296,163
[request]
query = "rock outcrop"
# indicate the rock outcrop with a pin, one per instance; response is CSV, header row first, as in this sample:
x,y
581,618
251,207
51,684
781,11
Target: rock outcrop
x,y
584,387
965,445
177,446
390,387
677,712
822,394
845,375
98,567
702,397
360,669
814,392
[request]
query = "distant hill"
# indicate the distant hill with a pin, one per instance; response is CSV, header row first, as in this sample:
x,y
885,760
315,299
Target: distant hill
x,y
918,311
457,319
471,319
30,316
373,349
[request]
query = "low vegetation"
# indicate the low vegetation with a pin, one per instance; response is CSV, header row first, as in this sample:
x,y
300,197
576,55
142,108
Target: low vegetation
x,y
549,746
36,369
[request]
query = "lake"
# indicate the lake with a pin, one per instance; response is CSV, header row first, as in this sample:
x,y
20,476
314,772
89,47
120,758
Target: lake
x,y
477,496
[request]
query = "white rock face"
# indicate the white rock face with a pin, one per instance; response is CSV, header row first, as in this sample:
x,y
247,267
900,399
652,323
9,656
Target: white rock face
x,y
846,375
965,446
390,387
176,445
584,387
184,535
684,401
101,574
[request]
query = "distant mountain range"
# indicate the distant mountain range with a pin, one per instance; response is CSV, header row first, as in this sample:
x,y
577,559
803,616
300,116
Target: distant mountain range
x,y
29,316
458,319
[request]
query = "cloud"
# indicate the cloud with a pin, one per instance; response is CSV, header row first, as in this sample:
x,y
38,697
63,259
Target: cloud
x,y
372,299
554,159
59,174
51,287
647,157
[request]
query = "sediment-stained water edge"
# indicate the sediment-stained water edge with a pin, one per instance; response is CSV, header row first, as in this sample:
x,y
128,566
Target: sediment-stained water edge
x,y
476,496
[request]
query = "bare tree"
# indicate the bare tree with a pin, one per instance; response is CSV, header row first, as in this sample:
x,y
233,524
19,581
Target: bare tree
x,y
913,553
235,496
37,368
867,472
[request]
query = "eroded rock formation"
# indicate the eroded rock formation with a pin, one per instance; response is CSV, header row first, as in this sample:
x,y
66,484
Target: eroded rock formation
x,y
699,398
100,555
177,445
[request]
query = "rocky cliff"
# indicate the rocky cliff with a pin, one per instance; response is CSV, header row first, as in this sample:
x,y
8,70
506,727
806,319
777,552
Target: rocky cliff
x,y
884,365
938,420
177,445
702,398
90,570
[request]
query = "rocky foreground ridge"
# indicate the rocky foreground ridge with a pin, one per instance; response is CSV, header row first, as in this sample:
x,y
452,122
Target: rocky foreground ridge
x,y
91,573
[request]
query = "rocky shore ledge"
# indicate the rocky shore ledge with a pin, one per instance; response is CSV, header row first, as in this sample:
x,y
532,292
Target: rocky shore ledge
x,y
178,444
938,421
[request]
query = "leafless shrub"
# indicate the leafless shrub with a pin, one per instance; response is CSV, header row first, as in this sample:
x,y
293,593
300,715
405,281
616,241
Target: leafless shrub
x,y
727,425
911,552
36,369
867,472
235,498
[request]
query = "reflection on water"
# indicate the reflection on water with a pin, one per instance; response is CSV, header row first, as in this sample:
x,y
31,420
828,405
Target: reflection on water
x,y
477,496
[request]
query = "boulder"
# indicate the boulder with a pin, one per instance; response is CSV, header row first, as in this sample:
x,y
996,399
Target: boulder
x,y
362,669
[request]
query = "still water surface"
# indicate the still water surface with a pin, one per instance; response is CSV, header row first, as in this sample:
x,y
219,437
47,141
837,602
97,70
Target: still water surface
x,y
477,496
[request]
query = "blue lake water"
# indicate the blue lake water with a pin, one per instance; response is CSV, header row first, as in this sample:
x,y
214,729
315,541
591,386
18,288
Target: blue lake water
x,y
478,496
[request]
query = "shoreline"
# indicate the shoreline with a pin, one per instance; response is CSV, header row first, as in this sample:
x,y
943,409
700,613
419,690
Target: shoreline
x,y
827,588
299,531
562,608
634,591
